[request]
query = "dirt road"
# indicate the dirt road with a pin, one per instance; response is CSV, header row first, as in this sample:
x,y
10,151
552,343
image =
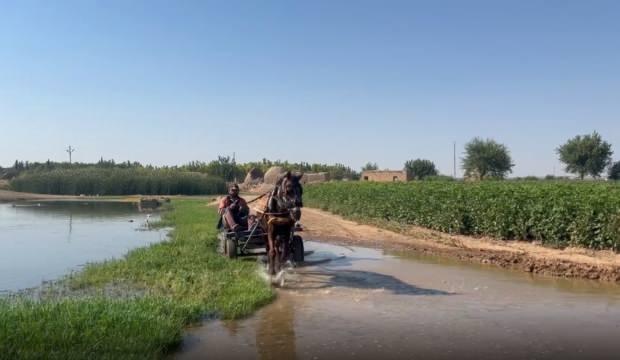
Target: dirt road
x,y
570,262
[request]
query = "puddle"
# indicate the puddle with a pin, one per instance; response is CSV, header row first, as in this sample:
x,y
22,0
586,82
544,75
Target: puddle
x,y
359,303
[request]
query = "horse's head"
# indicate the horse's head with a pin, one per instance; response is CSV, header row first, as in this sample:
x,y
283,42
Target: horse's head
x,y
291,192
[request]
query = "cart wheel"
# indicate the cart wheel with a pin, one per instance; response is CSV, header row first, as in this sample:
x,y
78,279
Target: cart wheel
x,y
221,247
298,249
231,248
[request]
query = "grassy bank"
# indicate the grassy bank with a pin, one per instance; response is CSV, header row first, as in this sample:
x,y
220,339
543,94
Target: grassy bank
x,y
115,181
181,281
583,214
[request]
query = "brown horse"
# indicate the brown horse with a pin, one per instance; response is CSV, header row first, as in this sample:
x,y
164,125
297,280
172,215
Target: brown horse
x,y
279,215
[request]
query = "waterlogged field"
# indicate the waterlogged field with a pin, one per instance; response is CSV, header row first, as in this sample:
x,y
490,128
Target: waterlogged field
x,y
555,213
176,282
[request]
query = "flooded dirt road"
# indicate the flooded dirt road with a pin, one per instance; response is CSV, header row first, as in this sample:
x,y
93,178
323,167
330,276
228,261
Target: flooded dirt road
x,y
359,303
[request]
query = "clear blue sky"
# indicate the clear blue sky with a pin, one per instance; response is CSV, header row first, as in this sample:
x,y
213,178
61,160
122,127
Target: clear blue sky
x,y
167,82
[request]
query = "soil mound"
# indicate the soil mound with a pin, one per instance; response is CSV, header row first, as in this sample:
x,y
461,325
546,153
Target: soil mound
x,y
273,174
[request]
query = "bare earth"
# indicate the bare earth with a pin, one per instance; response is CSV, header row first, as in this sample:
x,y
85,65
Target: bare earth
x,y
7,195
570,262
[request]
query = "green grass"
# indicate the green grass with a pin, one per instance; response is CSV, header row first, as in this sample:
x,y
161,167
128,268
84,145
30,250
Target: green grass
x,y
182,280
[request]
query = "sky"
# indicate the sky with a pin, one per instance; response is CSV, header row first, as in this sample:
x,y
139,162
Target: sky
x,y
168,82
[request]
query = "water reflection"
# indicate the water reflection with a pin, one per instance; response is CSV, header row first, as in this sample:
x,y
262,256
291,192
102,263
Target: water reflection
x,y
45,240
275,331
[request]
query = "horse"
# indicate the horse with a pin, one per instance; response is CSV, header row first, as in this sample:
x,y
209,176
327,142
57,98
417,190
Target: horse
x,y
279,215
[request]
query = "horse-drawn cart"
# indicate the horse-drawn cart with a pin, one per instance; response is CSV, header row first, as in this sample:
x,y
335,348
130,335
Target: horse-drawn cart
x,y
272,230
253,241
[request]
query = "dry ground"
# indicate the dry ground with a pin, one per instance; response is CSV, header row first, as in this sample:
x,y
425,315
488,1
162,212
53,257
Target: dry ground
x,y
7,195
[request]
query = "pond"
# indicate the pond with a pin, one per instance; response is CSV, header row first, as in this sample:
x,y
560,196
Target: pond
x,y
42,241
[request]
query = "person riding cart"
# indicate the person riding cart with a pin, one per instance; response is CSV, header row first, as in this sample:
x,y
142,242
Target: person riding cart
x,y
234,210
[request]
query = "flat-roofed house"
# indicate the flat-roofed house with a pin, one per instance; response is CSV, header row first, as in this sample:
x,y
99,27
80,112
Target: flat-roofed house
x,y
384,175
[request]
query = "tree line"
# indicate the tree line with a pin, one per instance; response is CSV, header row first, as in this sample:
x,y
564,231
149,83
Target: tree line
x,y
582,155
224,167
228,169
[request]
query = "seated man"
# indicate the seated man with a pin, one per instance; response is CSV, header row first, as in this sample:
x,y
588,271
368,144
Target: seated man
x,y
234,210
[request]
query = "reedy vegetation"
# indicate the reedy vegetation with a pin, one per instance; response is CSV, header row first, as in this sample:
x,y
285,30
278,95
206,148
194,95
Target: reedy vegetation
x,y
117,181
183,280
555,213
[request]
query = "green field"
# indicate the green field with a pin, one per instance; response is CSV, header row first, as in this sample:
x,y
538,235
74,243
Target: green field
x,y
176,282
559,214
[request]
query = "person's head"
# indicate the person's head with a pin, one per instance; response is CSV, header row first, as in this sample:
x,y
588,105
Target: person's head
x,y
233,190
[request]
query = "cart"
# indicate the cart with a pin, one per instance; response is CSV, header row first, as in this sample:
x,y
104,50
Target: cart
x,y
253,242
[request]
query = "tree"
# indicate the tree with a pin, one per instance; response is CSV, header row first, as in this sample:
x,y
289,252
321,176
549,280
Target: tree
x,y
585,155
614,171
370,166
486,158
418,169
225,168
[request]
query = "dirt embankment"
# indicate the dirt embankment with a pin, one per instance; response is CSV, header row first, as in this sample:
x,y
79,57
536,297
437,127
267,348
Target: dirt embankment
x,y
570,262
7,195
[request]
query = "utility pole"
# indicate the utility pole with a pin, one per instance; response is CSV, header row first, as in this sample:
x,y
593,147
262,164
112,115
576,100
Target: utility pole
x,y
234,167
454,160
70,150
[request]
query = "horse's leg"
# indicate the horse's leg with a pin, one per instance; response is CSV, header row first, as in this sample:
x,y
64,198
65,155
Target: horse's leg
x,y
271,249
284,245
276,256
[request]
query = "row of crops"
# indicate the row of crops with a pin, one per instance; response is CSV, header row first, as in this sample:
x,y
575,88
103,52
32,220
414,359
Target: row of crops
x,y
116,181
583,214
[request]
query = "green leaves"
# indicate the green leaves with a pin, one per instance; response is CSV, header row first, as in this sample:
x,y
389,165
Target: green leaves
x,y
486,159
419,169
585,155
556,213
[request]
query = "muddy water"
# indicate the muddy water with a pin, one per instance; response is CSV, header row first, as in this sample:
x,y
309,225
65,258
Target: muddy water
x,y
44,240
359,303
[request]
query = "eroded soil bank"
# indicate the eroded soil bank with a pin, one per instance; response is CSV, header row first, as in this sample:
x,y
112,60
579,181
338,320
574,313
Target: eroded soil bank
x,y
522,256
349,302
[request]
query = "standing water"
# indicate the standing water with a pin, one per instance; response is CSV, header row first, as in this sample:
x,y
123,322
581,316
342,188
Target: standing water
x,y
46,240
359,303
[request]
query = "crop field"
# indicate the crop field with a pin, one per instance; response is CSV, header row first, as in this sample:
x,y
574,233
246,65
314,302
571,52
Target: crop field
x,y
559,214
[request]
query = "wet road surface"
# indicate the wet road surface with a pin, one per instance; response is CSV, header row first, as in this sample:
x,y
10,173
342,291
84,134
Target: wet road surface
x,y
359,303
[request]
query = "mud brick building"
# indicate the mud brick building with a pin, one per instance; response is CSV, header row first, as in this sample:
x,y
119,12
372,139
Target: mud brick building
x,y
384,175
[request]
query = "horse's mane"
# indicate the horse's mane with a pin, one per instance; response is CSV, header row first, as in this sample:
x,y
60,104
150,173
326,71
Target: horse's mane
x,y
261,205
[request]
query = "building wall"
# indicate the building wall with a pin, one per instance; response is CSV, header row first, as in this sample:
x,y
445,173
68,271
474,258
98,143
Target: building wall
x,y
310,178
384,175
